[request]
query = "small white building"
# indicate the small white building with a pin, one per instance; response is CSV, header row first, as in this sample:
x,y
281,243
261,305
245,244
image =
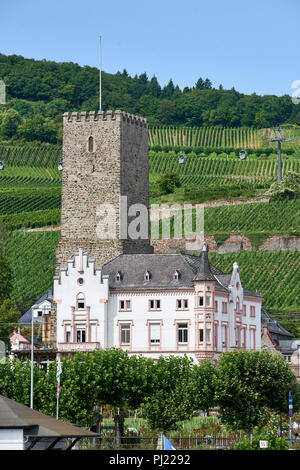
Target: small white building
x,y
22,428
153,304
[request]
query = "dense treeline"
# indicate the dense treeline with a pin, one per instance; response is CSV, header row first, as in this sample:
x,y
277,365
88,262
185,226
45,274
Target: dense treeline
x,y
39,91
245,386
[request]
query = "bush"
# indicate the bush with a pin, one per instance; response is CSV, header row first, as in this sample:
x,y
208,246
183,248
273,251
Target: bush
x,y
168,182
268,433
283,196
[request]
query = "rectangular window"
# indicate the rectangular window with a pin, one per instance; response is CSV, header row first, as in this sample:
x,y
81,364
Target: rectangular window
x,y
68,336
208,300
243,338
80,335
224,307
154,304
182,304
252,339
244,310
223,335
182,333
201,301
155,333
208,334
252,311
201,338
216,305
125,305
236,330
80,304
216,335
125,333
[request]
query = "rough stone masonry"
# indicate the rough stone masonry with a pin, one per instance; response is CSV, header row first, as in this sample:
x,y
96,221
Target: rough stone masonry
x,y
105,156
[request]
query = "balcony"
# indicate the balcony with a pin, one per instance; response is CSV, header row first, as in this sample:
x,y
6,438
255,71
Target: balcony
x,y
75,347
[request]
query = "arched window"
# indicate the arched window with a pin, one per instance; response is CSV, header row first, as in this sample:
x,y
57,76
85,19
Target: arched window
x,y
80,301
118,277
176,275
91,143
147,276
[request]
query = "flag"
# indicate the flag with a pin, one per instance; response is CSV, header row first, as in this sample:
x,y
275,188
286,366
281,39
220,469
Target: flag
x,y
167,444
58,374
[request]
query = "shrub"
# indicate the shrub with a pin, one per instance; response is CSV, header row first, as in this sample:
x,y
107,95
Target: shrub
x,y
168,182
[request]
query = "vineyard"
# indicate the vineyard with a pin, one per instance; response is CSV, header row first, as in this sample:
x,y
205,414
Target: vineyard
x,y
241,137
217,166
206,136
276,275
276,217
30,196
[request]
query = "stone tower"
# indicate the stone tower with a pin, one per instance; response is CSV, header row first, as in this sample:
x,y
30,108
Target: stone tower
x,y
105,156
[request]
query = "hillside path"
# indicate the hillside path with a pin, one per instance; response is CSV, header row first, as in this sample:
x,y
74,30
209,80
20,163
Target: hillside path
x,y
158,214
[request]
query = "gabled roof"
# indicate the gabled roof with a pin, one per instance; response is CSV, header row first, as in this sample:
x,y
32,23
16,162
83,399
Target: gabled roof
x,y
274,326
27,316
14,415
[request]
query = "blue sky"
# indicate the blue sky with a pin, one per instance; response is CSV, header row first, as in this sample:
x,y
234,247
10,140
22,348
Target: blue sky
x,y
251,45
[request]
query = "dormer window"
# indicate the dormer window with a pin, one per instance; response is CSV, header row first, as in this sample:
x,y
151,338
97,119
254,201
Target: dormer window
x,y
147,276
176,276
118,277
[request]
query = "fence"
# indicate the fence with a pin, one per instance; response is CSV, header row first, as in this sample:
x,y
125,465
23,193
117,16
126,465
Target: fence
x,y
150,443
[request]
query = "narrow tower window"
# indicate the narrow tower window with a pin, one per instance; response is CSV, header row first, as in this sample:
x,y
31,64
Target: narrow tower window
x,y
91,143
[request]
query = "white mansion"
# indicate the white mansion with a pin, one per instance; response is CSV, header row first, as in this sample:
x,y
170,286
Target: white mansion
x,y
117,292
155,304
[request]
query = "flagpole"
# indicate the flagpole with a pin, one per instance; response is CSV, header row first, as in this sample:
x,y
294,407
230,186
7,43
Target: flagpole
x,y
31,370
100,77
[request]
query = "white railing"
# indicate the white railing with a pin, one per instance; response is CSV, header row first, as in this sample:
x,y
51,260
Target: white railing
x,y
64,347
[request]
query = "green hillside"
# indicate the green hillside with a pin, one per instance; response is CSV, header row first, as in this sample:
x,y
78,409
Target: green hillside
x,y
40,91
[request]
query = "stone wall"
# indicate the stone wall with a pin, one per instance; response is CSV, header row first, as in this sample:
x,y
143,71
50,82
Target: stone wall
x,y
281,243
236,242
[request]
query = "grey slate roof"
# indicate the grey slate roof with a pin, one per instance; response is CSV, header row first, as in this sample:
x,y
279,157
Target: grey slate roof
x,y
14,415
161,267
203,271
282,337
273,326
27,316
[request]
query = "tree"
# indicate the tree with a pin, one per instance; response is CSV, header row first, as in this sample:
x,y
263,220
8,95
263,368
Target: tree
x,y
10,123
288,188
170,400
202,386
168,182
249,384
5,279
9,315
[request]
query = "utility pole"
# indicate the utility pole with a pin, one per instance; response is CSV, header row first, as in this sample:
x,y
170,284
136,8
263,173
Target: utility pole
x,y
279,138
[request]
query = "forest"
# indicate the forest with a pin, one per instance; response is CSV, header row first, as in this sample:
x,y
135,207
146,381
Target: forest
x,y
38,92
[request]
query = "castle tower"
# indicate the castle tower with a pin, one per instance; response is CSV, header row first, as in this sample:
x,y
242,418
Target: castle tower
x,y
105,157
